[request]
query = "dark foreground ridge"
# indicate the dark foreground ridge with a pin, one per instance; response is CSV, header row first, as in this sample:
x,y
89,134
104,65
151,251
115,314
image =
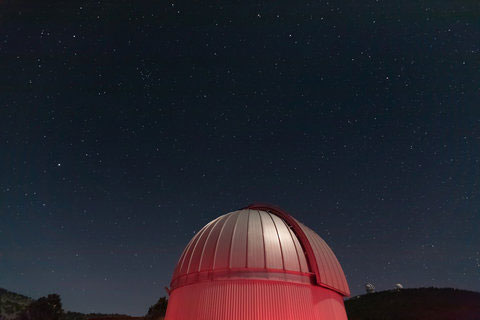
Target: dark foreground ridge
x,y
14,306
411,304
421,303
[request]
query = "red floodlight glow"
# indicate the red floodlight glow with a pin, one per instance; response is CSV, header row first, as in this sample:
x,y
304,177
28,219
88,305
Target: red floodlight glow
x,y
257,263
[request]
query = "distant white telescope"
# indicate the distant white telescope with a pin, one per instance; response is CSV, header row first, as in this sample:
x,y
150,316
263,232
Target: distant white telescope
x,y
398,286
370,288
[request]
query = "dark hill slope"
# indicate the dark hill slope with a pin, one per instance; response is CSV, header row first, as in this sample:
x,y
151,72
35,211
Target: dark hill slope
x,y
11,304
423,303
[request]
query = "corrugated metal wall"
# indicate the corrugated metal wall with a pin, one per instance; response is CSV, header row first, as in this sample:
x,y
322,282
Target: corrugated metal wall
x,y
254,299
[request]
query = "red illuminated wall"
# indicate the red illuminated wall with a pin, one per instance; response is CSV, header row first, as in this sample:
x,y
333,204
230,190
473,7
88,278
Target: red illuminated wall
x,y
254,300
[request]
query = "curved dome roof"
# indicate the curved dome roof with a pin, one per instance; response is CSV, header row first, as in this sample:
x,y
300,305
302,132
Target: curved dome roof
x,y
259,242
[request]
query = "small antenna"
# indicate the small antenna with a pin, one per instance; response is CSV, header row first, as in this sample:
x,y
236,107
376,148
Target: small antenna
x,y
168,290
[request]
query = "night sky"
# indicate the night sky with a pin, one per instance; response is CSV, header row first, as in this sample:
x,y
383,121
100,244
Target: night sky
x,y
126,126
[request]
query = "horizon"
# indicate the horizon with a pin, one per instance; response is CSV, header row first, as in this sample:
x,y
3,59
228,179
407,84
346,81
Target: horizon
x,y
345,298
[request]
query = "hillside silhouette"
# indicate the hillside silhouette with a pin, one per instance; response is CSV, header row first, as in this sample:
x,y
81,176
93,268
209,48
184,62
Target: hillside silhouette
x,y
14,306
421,303
412,304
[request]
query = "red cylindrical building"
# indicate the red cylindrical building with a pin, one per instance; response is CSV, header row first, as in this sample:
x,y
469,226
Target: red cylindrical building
x,y
258,263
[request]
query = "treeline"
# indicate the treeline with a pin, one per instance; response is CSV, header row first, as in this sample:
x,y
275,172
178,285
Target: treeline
x,y
45,308
422,303
50,308
413,304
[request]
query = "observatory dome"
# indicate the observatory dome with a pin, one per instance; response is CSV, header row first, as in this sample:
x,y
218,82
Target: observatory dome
x,y
257,263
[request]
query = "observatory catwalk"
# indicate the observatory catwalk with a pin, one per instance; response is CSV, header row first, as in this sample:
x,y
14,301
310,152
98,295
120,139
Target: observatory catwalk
x,y
257,263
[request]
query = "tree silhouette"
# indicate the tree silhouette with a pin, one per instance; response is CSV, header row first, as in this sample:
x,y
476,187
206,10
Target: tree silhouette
x,y
157,310
45,308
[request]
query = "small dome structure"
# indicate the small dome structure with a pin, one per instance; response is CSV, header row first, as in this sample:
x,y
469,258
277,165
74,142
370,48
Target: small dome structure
x,y
370,288
257,263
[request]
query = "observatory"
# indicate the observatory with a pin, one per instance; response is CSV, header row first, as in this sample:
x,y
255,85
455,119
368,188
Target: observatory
x,y
370,288
257,263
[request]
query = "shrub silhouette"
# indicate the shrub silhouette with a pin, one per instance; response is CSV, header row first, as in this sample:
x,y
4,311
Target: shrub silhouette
x,y
45,308
158,310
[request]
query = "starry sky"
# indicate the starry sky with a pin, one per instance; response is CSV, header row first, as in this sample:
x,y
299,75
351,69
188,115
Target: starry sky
x,y
125,126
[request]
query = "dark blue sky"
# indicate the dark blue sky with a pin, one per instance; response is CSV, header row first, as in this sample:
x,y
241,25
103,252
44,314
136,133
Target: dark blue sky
x,y
126,127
